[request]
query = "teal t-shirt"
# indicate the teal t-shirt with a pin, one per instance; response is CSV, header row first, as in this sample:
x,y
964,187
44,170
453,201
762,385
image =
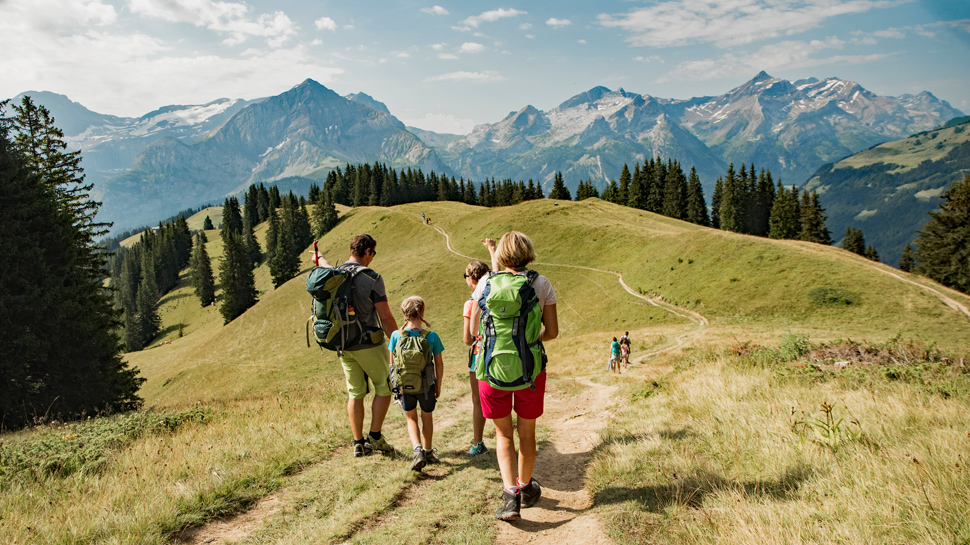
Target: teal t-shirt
x,y
615,348
436,346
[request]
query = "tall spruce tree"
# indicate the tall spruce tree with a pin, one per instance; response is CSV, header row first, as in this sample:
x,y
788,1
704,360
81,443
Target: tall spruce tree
x,y
232,222
559,190
696,207
716,199
202,278
59,351
784,220
286,260
324,217
813,220
943,245
236,279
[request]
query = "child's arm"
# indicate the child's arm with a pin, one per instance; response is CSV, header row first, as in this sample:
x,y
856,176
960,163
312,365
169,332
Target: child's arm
x,y
439,373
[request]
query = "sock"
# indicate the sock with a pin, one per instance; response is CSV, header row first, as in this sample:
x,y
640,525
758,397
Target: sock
x,y
375,435
514,490
417,448
358,441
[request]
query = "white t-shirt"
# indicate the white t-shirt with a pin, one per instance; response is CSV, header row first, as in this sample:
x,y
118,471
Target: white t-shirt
x,y
544,291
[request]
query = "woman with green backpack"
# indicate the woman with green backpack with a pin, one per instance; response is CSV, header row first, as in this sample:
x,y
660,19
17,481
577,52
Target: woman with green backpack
x,y
514,311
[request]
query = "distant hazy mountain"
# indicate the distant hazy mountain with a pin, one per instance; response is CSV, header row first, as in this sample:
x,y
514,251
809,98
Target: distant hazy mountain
x,y
110,144
789,128
178,157
887,190
302,133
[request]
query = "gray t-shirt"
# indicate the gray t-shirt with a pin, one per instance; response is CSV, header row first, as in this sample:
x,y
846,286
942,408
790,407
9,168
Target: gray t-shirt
x,y
368,289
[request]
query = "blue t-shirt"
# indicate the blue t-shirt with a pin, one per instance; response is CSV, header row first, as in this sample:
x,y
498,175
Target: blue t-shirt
x,y
615,348
436,346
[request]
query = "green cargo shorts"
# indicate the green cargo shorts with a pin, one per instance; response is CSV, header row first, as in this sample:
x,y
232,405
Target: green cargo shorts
x,y
359,365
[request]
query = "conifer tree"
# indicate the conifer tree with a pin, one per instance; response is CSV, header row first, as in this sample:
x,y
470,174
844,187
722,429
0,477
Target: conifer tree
x,y
149,322
871,253
624,183
784,221
236,279
612,192
655,200
207,224
559,190
232,222
324,217
202,278
943,245
286,261
675,192
854,241
813,220
469,196
907,261
272,232
696,207
60,354
716,199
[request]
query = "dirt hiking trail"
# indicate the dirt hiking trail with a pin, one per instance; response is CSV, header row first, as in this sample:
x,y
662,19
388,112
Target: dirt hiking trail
x,y
573,423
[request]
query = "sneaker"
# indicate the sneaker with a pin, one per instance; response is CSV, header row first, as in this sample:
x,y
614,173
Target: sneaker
x,y
477,449
360,450
431,457
419,459
530,493
378,444
511,504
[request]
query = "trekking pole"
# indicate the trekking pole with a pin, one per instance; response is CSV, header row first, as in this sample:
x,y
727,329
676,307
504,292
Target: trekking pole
x,y
316,254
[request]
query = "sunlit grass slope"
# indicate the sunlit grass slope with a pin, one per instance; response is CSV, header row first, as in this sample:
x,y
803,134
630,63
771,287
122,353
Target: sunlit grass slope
x,y
756,284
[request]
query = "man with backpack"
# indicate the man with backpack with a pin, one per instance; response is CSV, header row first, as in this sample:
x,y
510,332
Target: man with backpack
x,y
369,357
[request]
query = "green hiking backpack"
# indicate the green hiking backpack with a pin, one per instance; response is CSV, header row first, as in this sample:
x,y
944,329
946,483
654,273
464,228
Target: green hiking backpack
x,y
412,371
512,355
334,323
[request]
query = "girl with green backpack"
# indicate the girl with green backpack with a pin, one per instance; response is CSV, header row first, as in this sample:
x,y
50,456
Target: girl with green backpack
x,y
415,377
514,311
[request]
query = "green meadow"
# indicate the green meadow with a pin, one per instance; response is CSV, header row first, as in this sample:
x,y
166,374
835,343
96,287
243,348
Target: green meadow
x,y
780,392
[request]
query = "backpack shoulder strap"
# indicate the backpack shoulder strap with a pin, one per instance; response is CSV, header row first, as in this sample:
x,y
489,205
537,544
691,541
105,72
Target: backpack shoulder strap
x,y
531,275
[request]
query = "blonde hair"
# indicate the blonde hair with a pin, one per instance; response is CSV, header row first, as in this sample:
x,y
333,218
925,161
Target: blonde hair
x,y
476,270
515,250
413,309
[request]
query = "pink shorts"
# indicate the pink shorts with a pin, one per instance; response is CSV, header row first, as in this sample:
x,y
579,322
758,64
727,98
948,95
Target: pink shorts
x,y
528,403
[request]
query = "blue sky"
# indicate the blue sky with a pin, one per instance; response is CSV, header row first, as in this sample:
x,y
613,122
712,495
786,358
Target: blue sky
x,y
448,66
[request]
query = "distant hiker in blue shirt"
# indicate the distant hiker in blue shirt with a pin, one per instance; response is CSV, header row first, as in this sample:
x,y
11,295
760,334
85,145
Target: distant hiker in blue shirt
x,y
416,352
614,364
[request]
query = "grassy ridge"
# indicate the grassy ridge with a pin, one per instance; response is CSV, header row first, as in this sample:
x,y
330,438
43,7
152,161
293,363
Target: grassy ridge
x,y
277,407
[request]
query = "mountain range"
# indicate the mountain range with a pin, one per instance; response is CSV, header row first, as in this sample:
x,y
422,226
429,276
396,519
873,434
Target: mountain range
x,y
181,156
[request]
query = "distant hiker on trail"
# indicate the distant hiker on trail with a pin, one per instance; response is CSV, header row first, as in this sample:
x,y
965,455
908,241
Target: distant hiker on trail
x,y
370,359
614,363
625,349
473,273
513,377
416,372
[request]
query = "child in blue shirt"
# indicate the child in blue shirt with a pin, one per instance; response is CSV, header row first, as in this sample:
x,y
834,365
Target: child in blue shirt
x,y
614,364
421,434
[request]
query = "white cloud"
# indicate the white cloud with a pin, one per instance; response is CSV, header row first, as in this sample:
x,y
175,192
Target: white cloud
x,y
447,56
889,33
491,16
325,23
728,22
784,55
435,10
227,17
54,16
438,47
486,76
525,26
530,36
581,42
472,47
558,23
403,55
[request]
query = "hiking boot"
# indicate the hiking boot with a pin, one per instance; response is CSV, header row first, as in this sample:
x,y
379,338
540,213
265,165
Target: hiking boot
x,y
478,448
360,450
419,459
431,457
530,493
511,504
378,444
